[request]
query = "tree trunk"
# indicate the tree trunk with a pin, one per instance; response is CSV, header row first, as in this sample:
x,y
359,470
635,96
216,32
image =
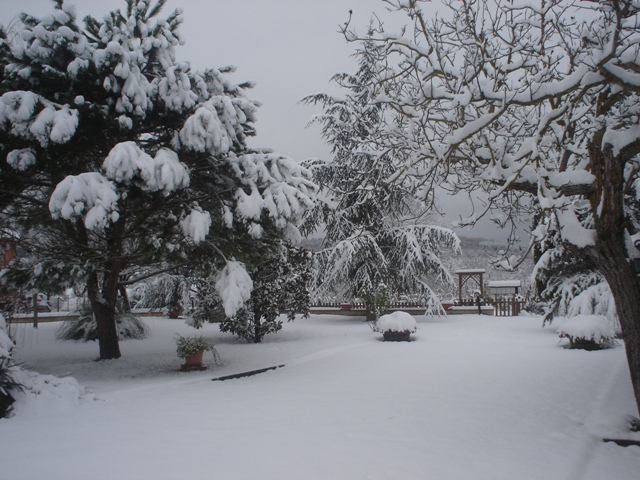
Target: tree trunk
x,y
126,306
104,311
612,262
257,334
610,255
103,295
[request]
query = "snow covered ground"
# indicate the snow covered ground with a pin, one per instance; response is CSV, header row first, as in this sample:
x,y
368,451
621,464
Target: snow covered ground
x,y
470,398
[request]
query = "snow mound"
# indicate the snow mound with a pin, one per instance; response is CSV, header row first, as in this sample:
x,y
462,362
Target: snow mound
x,y
396,322
587,327
43,394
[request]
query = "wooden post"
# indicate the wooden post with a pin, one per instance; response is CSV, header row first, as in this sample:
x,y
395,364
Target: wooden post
x,y
35,310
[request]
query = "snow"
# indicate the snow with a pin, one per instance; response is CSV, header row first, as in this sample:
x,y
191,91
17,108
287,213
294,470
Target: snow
x,y
396,322
44,395
573,231
196,225
88,195
504,283
127,163
483,398
21,159
214,126
50,124
588,327
234,285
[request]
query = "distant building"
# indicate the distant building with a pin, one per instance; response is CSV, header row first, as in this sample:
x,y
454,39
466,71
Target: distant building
x,y
504,287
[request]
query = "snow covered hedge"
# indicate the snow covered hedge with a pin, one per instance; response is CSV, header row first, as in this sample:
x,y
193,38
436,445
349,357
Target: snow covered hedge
x,y
588,332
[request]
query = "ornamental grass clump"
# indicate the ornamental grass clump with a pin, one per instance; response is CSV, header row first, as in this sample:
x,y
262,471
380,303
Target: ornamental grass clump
x,y
85,328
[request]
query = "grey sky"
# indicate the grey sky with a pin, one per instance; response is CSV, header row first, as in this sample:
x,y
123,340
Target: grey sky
x,y
289,48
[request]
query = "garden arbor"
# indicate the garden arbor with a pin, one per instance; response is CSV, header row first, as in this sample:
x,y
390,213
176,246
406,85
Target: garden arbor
x,y
468,282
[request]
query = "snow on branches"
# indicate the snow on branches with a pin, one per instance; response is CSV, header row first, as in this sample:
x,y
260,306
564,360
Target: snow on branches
x,y
278,187
376,232
28,115
234,286
143,161
129,164
510,97
88,196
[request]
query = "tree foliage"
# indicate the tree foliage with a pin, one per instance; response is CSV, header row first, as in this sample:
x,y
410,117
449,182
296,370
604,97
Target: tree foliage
x,y
375,233
280,287
117,160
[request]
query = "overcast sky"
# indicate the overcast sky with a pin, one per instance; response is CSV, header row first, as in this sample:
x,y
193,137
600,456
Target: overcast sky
x,y
289,48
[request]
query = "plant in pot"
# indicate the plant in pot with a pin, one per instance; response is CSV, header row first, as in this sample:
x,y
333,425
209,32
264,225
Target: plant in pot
x,y
192,349
396,326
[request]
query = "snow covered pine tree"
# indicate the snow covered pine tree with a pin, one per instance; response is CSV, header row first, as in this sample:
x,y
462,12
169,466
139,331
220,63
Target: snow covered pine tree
x,y
376,233
536,104
117,156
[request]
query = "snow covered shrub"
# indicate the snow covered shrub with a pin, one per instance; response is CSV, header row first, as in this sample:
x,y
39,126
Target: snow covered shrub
x,y
583,293
570,286
8,383
85,328
280,286
588,332
396,325
23,391
44,394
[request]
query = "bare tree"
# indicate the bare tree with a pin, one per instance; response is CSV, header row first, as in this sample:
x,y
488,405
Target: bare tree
x,y
534,104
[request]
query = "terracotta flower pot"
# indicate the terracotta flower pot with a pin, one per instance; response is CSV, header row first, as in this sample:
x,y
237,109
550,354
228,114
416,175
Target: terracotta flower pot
x,y
194,360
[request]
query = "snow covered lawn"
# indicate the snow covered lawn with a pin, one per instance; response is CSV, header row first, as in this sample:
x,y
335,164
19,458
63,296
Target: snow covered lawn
x,y
470,398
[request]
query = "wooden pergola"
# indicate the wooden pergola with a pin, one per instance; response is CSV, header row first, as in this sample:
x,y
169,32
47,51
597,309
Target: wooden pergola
x,y
473,276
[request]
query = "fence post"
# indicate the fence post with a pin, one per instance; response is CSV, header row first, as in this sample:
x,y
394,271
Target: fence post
x,y
35,310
